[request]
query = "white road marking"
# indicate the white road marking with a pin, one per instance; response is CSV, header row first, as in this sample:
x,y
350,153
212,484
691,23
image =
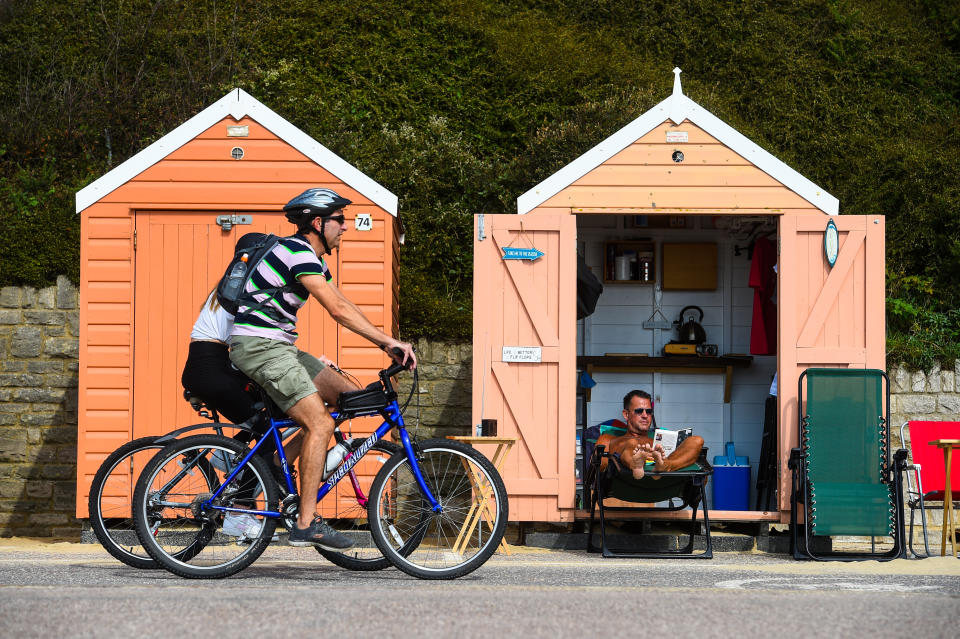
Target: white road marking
x,y
818,583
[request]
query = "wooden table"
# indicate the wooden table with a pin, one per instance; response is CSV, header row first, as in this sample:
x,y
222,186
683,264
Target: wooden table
x,y
948,446
482,507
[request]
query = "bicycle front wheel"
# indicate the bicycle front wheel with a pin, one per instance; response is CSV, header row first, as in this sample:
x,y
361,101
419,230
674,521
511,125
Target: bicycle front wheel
x,y
189,538
350,516
457,538
111,494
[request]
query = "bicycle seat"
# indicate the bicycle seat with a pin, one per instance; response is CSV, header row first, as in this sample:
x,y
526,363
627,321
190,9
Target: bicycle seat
x,y
195,401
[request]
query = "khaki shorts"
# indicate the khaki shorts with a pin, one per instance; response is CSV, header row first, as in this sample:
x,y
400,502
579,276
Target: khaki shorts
x,y
285,372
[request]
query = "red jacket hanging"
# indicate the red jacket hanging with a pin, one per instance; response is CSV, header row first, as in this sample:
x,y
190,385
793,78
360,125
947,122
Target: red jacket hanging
x,y
763,280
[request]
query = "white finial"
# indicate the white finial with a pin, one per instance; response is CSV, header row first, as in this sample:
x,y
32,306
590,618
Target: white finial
x,y
676,81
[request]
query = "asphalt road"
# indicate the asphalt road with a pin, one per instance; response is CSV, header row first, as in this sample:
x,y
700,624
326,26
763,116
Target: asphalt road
x,y
77,590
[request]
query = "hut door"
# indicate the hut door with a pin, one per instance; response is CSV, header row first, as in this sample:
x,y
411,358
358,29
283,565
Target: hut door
x,y
524,356
828,316
180,255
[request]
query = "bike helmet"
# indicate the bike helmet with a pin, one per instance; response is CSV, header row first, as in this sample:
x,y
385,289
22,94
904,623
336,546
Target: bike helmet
x,y
312,203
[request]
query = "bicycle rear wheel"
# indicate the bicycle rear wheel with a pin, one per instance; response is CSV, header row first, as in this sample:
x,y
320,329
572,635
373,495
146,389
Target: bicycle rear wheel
x,y
351,512
180,533
462,535
111,494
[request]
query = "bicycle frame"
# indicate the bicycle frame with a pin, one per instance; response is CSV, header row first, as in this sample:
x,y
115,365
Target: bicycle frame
x,y
392,418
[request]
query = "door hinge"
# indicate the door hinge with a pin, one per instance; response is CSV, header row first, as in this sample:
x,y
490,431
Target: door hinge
x,y
134,239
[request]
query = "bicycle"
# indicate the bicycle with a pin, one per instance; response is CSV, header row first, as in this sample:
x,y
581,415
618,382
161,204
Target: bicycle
x,y
437,509
110,509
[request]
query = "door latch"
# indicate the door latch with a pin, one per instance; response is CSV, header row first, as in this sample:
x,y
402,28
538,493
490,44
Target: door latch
x,y
226,222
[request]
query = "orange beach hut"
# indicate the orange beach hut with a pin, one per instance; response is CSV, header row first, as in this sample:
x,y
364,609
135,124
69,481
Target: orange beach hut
x,y
675,210
157,232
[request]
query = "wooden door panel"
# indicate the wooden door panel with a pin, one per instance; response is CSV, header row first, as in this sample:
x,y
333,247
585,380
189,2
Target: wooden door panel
x,y
179,258
828,316
526,303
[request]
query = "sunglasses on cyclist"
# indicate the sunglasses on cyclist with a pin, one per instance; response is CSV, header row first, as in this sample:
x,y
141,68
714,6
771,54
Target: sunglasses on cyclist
x,y
339,219
641,411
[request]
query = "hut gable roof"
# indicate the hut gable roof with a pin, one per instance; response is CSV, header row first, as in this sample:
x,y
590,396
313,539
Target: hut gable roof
x,y
237,104
678,107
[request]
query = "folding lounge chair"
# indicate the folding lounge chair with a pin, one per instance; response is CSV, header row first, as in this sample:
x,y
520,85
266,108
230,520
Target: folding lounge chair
x,y
926,469
613,427
843,475
686,485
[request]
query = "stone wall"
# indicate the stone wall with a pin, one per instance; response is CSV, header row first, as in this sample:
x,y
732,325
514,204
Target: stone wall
x,y
446,371
38,404
933,395
38,410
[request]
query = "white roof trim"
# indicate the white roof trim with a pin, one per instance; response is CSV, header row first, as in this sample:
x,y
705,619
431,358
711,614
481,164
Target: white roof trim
x,y
237,104
677,108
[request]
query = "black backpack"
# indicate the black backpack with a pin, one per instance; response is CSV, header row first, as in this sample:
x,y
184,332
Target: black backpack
x,y
249,252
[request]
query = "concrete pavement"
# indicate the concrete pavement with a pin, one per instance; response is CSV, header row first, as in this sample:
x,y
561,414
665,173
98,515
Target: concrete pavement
x,y
79,590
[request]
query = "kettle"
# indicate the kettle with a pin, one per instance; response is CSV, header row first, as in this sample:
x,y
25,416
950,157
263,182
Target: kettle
x,y
690,332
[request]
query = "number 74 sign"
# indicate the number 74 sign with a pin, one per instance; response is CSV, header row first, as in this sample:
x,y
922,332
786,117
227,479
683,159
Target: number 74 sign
x,y
363,222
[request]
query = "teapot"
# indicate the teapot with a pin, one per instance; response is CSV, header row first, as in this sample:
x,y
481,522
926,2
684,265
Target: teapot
x,y
690,331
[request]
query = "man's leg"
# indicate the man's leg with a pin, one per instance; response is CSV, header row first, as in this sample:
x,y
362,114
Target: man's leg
x,y
685,454
630,451
634,456
329,384
317,424
286,374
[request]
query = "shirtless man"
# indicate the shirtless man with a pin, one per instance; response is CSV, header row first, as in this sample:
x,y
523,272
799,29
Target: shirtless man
x,y
636,446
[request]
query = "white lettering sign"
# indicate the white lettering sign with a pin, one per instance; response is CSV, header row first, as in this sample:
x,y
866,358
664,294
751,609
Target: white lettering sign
x,y
363,222
677,136
521,354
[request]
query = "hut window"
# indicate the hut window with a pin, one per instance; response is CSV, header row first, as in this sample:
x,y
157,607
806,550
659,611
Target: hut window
x,y
236,153
678,156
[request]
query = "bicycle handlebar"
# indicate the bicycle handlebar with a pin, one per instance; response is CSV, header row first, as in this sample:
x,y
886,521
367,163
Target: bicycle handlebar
x,y
396,367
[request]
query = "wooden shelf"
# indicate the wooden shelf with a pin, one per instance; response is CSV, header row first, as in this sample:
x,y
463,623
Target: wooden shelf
x,y
682,515
688,364
643,269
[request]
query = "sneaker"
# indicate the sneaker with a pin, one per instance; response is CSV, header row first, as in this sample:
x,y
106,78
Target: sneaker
x,y
319,533
241,525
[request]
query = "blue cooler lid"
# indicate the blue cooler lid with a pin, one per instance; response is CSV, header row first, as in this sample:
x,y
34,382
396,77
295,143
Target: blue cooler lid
x,y
730,458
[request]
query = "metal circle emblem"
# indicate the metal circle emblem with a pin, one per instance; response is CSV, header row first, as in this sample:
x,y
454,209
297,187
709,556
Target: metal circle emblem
x,y
677,156
236,153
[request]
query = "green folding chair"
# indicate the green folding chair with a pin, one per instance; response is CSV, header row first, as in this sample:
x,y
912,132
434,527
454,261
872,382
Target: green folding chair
x,y
844,477
681,489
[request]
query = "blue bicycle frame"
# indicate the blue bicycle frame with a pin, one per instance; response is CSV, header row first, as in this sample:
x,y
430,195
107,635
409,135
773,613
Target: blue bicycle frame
x,y
391,418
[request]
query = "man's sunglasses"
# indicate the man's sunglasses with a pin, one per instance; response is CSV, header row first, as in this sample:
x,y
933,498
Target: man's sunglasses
x,y
641,411
339,219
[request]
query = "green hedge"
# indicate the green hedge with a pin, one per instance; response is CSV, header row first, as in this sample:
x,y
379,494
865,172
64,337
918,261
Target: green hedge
x,y
459,106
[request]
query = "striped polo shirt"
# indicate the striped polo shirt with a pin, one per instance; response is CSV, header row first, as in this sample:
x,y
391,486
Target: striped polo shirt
x,y
291,258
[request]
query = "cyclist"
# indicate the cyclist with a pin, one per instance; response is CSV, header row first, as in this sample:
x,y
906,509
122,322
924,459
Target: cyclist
x,y
264,333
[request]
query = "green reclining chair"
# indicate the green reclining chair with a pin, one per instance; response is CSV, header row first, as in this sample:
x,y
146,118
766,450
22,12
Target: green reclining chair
x,y
844,477
687,485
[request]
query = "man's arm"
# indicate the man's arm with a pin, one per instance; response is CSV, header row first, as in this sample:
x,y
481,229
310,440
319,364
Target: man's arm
x,y
347,314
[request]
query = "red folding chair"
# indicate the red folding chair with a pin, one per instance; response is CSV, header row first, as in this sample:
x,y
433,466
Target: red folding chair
x,y
928,470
